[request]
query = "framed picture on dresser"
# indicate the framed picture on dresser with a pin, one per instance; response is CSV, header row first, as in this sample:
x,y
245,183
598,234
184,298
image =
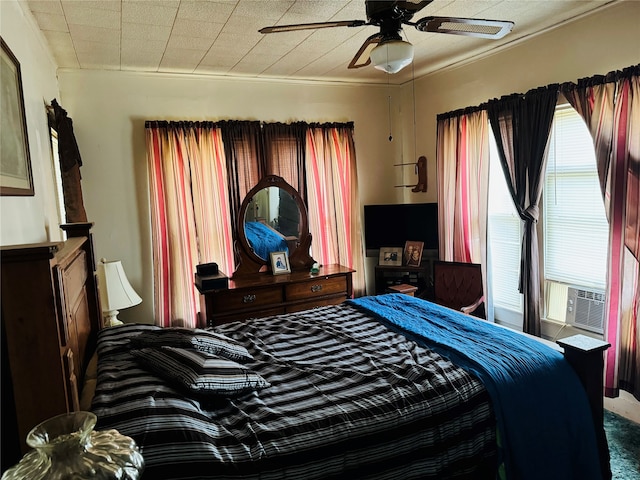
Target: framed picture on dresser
x,y
390,256
280,263
413,253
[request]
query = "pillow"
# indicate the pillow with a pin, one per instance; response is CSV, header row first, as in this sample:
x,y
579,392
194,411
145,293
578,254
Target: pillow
x,y
202,340
200,372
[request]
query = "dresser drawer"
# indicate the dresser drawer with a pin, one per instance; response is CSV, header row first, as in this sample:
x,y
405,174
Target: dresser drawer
x,y
239,299
316,288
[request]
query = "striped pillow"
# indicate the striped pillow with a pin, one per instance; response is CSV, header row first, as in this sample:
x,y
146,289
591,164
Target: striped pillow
x,y
196,338
199,372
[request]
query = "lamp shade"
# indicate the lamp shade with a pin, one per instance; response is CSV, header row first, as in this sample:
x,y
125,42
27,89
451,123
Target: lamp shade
x,y
115,290
392,56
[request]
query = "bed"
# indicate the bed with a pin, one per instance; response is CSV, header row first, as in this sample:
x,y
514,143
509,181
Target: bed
x,y
381,387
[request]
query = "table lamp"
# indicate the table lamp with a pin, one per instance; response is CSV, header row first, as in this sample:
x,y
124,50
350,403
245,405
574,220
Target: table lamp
x,y
115,290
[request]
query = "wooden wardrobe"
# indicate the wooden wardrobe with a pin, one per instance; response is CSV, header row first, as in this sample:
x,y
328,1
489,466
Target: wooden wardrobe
x,y
50,318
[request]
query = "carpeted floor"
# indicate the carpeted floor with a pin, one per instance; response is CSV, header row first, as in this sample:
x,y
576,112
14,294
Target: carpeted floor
x,y
623,437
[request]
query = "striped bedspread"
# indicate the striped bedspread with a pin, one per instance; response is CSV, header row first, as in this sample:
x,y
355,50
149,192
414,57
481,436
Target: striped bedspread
x,y
543,416
349,398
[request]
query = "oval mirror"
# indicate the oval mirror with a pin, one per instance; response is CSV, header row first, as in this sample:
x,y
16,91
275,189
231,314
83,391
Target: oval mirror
x,y
272,218
272,222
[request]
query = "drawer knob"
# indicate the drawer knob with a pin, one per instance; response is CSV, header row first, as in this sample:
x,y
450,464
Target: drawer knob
x,y
316,288
249,298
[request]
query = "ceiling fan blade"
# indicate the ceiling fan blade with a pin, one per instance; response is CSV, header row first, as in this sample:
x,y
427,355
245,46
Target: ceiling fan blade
x,y
312,26
472,27
361,58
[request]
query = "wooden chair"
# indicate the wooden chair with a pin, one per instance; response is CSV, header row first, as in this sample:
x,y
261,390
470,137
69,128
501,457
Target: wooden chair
x,y
458,286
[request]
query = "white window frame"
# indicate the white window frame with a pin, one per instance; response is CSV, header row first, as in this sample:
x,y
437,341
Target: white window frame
x,y
57,176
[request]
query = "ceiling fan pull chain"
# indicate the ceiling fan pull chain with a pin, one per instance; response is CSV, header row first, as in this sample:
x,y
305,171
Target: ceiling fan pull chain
x,y
389,102
413,92
389,107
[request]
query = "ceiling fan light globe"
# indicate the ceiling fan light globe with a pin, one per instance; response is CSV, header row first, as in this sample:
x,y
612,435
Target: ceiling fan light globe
x,y
392,56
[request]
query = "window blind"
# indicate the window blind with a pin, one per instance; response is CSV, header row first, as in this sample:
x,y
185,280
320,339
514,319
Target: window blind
x,y
575,227
504,239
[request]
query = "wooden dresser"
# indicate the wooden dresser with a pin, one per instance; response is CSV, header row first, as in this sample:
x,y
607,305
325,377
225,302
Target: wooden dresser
x,y
50,317
264,294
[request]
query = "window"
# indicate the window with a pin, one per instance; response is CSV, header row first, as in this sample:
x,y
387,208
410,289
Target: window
x,y
574,221
574,226
504,242
57,177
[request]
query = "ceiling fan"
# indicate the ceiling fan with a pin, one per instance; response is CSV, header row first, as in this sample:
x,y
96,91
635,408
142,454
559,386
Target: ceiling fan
x,y
386,48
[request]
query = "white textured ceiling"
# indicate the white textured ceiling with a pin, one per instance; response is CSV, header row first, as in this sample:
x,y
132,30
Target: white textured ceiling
x,y
221,37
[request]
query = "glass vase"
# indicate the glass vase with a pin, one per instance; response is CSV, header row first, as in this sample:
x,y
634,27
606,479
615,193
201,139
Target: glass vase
x,y
67,447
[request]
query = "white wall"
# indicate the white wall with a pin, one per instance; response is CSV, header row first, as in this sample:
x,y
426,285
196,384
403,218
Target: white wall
x,y
109,110
596,44
34,218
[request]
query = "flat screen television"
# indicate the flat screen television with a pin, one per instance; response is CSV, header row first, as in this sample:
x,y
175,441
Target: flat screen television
x,y
393,225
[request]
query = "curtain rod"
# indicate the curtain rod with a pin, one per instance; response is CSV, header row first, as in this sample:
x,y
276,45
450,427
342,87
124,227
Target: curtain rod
x,y
190,123
612,76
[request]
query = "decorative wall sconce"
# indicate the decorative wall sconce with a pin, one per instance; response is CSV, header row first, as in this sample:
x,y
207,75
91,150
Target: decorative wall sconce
x,y
421,171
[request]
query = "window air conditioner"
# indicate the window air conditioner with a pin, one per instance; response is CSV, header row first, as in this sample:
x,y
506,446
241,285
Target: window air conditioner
x,y
585,309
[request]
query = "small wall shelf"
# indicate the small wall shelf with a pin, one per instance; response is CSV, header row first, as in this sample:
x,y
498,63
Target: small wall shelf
x,y
421,171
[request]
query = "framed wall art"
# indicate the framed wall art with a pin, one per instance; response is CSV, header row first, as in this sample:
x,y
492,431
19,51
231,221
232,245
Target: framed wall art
x,y
15,161
280,263
390,256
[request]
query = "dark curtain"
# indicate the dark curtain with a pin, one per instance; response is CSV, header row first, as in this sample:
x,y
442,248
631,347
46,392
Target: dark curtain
x,y
244,152
521,125
284,149
70,163
256,149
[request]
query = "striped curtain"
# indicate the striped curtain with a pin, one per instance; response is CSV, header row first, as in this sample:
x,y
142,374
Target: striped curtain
x,y
462,158
333,203
610,106
189,214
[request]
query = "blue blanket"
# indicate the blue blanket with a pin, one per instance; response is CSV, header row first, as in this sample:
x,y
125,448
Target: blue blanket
x,y
264,240
543,417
